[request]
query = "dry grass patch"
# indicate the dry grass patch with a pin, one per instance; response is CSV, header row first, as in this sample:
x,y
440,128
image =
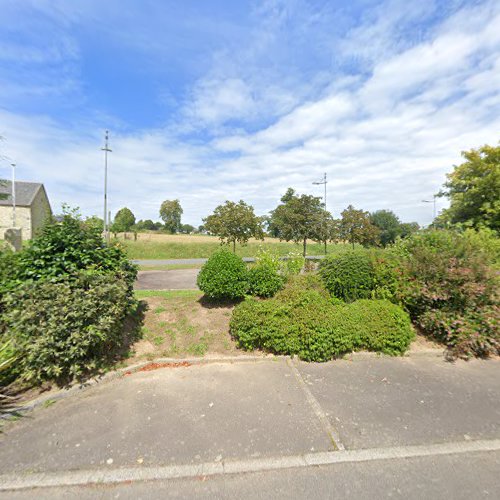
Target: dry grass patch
x,y
181,324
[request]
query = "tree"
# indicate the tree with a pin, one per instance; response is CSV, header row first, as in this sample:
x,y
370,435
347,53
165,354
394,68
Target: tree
x,y
234,222
408,228
388,224
95,222
171,213
124,220
187,228
299,218
473,190
145,225
355,227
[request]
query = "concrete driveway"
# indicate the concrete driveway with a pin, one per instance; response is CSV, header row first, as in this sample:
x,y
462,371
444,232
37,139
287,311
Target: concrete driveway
x,y
174,279
267,428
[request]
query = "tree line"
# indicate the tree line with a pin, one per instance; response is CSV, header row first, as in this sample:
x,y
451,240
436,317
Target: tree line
x,y
473,189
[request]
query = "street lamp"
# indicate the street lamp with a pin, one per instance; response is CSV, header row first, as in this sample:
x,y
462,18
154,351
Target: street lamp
x,y
106,150
434,202
319,183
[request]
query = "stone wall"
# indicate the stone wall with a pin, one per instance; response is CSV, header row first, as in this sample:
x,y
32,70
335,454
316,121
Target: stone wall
x,y
40,211
23,220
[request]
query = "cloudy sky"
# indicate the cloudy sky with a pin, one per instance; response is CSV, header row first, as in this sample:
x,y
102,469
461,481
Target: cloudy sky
x,y
208,100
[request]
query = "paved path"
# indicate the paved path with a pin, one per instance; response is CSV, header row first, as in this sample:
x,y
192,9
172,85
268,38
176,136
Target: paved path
x,y
272,428
174,279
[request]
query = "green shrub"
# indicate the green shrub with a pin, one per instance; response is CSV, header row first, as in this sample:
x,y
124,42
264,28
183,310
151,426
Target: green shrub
x,y
348,276
223,276
64,330
293,263
65,248
301,320
264,282
450,288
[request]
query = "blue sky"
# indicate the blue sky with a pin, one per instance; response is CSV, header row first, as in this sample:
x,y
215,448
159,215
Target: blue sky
x,y
213,100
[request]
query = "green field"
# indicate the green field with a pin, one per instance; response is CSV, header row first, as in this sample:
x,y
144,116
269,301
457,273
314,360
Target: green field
x,y
192,248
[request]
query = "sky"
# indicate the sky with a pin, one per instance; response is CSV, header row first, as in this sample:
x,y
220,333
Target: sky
x,y
214,100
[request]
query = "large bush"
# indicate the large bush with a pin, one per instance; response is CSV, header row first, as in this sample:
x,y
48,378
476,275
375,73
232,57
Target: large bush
x,y
66,329
65,248
348,276
223,276
302,320
450,288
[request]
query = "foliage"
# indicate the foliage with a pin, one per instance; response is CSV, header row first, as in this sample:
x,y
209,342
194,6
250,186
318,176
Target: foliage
x,y
299,218
147,225
95,222
171,213
65,248
473,190
65,330
8,359
451,290
349,276
187,229
223,276
293,263
355,227
389,225
408,228
234,222
124,220
302,320
265,278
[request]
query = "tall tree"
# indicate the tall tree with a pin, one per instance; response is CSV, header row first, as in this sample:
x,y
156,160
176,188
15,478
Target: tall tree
x,y
408,228
234,222
355,226
388,223
299,218
473,190
171,213
124,220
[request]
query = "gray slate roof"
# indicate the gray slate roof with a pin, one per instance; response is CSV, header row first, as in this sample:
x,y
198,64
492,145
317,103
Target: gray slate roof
x,y
25,192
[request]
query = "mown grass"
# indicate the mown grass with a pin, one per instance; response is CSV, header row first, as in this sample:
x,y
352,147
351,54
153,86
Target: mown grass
x,y
192,249
168,267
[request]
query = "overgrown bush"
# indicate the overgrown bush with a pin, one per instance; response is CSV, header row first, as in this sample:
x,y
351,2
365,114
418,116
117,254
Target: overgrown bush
x,y
63,330
451,290
302,320
223,276
348,276
64,249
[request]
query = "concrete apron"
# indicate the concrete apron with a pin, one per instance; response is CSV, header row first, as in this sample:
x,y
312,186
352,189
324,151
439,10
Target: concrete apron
x,y
231,416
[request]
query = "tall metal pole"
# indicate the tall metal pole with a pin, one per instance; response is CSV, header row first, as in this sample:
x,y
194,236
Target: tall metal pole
x,y
106,150
13,194
324,182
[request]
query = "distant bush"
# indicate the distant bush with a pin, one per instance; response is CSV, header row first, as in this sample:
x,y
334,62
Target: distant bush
x,y
348,276
302,320
63,330
223,276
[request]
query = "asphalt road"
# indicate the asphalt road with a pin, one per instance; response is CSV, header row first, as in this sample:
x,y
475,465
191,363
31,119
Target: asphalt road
x,y
268,428
174,279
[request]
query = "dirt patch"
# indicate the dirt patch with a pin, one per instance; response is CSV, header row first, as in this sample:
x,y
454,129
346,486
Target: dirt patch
x,y
180,327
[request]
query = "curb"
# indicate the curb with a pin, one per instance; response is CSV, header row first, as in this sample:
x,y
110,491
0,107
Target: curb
x,y
186,362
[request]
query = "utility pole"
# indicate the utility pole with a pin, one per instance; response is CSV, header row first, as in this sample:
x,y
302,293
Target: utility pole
x,y
434,202
13,165
106,150
324,182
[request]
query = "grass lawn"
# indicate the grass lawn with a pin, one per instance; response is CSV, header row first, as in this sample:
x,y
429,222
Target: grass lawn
x,y
165,246
168,267
180,324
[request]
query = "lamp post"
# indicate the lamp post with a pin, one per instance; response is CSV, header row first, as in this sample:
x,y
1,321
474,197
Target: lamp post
x,y
434,203
13,165
319,183
106,150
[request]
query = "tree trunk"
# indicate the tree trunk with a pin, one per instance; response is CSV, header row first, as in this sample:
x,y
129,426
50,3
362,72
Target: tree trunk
x,y
305,242
234,246
325,248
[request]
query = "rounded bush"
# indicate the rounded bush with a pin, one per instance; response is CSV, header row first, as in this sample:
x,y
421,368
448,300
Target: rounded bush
x,y
223,276
349,276
306,323
264,281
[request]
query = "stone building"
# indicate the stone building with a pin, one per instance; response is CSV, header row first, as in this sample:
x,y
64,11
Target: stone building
x,y
32,207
